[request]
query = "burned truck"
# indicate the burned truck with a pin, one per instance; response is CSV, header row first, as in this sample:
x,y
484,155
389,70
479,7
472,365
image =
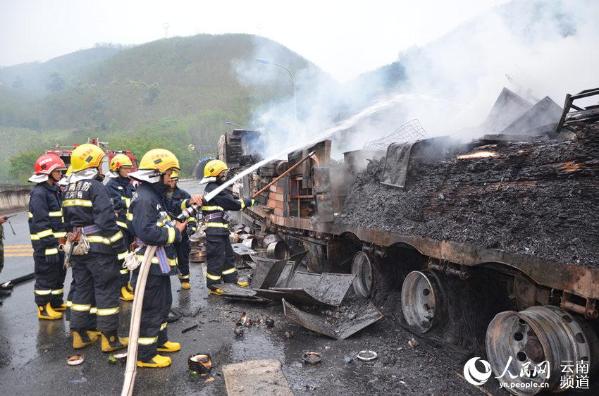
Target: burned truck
x,y
490,245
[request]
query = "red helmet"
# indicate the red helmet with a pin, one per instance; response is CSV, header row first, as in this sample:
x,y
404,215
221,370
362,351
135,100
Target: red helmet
x,y
47,163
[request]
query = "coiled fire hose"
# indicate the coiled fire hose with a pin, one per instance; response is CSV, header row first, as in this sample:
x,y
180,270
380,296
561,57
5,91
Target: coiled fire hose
x,y
140,288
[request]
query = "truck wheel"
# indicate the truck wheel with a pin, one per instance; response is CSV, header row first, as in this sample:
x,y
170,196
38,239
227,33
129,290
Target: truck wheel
x,y
541,338
362,269
420,301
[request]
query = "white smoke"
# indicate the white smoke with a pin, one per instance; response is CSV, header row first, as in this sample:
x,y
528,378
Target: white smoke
x,y
537,48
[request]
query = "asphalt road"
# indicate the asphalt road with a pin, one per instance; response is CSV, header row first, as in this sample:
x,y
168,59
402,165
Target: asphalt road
x,y
33,353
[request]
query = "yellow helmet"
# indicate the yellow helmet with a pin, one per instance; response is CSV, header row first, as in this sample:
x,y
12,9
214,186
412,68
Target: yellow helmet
x,y
119,161
160,160
86,156
214,168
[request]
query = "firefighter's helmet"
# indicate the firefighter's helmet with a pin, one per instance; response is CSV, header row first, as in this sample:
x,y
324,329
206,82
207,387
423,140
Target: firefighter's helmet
x,y
214,168
48,163
86,156
160,160
119,161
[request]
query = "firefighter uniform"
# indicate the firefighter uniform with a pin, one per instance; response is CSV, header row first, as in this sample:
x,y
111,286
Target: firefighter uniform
x,y
152,226
178,200
121,190
219,253
88,210
46,228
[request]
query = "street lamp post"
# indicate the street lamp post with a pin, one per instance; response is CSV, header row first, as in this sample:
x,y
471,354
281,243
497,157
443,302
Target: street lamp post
x,y
291,76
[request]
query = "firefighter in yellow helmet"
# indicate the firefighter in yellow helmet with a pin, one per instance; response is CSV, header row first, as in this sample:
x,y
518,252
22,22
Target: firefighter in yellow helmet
x,y
152,225
219,253
121,190
90,220
178,201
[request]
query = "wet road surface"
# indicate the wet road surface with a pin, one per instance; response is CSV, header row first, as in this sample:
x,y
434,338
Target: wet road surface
x,y
33,353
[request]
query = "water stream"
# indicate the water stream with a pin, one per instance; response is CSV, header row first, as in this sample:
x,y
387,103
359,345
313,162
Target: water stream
x,y
343,125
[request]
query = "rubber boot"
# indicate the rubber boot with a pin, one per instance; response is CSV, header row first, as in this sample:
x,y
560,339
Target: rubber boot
x,y
46,312
185,285
61,308
112,342
214,289
84,338
157,361
126,295
169,346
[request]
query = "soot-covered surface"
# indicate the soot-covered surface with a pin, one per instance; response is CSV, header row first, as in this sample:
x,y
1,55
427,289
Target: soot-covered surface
x,y
537,198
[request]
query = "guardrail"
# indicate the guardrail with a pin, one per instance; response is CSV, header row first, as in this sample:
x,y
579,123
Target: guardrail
x,y
13,198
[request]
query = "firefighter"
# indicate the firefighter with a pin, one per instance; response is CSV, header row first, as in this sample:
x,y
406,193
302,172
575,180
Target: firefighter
x,y
219,253
47,231
121,191
178,200
99,245
63,184
152,225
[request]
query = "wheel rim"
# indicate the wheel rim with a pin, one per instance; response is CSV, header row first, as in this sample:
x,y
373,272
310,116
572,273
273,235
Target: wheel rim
x,y
362,269
532,337
419,301
277,250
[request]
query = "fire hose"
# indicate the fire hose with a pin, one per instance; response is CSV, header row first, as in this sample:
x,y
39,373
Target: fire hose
x,y
140,288
13,282
193,209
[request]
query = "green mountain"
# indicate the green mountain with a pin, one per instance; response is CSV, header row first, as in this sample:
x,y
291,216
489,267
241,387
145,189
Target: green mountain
x,y
181,89
39,79
107,88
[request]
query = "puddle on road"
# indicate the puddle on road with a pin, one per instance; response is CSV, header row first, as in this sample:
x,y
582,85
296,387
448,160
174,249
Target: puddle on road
x,y
256,343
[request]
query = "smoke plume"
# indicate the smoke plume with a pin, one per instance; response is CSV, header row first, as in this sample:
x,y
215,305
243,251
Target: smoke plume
x,y
536,48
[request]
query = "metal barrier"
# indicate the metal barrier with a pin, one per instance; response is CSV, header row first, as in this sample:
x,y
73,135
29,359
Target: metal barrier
x,y
13,198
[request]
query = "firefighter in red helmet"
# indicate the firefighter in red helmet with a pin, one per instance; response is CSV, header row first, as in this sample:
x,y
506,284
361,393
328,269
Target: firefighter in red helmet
x,y
46,226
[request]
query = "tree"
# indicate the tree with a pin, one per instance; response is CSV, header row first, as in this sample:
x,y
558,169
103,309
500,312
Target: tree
x,y
17,83
55,83
21,165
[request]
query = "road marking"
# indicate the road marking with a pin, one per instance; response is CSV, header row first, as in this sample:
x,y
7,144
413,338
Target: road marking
x,y
18,250
28,245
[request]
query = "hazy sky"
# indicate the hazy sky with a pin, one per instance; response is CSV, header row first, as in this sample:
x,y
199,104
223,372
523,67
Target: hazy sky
x,y
343,37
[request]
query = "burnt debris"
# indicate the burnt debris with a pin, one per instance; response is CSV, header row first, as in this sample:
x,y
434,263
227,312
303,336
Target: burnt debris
x,y
535,197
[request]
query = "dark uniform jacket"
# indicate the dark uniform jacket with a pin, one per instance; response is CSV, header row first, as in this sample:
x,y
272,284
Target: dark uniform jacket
x,y
151,224
46,224
177,202
121,190
214,211
87,203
